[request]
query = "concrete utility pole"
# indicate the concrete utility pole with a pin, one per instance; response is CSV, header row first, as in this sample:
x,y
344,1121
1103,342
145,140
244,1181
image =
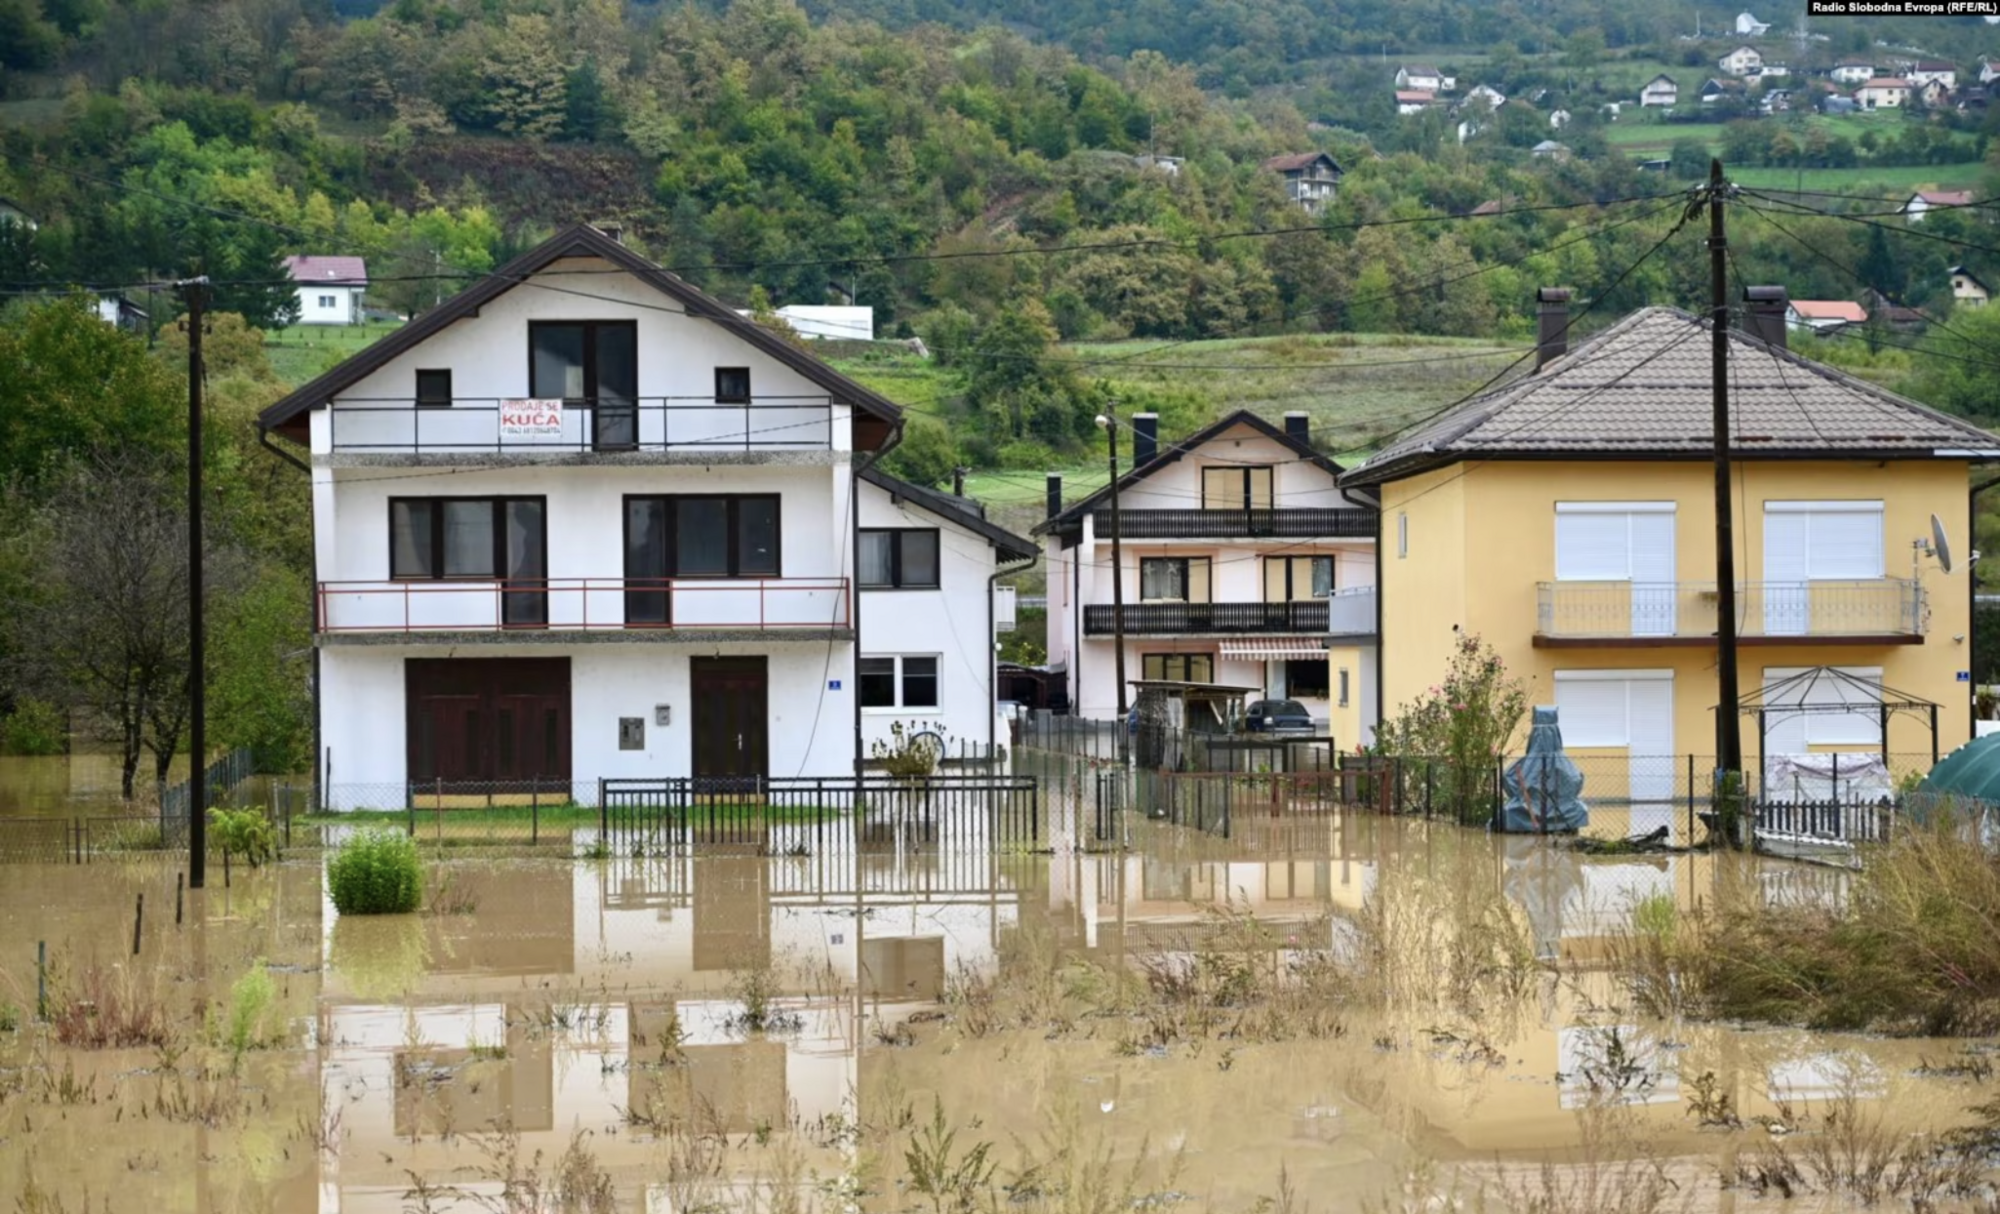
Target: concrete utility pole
x,y
197,291
1728,726
1109,422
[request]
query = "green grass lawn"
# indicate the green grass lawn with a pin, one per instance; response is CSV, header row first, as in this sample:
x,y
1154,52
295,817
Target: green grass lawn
x,y
1876,182
301,352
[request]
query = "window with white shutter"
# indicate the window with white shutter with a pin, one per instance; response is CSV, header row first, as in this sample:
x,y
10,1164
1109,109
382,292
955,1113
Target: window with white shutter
x,y
1630,542
1807,542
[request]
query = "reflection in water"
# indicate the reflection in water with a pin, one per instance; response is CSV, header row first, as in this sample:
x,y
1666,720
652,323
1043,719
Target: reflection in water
x,y
710,1024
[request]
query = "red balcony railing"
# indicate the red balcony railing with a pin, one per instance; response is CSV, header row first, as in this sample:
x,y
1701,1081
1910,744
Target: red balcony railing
x,y
586,604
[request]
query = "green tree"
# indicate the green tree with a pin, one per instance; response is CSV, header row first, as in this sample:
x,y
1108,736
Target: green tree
x,y
926,456
71,385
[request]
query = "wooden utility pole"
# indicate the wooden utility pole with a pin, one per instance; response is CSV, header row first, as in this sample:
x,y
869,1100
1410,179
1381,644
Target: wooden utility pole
x,y
197,290
1728,726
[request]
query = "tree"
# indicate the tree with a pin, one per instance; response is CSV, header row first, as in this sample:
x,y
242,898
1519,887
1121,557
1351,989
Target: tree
x,y
926,456
105,629
71,385
1689,159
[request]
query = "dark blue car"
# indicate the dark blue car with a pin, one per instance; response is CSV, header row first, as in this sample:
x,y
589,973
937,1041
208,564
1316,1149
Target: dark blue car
x,y
1278,716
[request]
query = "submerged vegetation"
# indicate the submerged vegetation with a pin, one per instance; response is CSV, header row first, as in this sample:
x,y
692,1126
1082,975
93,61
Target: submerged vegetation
x,y
376,872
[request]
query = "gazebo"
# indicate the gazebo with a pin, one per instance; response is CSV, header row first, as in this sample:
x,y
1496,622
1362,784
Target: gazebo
x,y
1829,691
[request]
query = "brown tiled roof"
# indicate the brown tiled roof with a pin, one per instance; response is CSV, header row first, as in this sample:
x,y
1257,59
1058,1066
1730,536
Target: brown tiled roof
x,y
1946,198
328,271
1295,161
1831,309
1414,96
1886,82
1641,390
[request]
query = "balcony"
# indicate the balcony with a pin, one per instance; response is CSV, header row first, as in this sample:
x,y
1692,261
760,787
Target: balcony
x,y
1208,619
1351,611
698,427
1311,523
1879,611
546,609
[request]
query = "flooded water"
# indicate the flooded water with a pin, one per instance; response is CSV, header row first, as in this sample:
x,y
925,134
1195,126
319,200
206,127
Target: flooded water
x,y
70,785
898,1031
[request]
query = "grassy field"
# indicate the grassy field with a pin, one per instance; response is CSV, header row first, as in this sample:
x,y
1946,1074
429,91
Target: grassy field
x,y
303,351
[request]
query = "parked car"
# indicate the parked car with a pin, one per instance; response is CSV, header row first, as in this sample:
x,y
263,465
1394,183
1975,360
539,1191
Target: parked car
x,y
1278,716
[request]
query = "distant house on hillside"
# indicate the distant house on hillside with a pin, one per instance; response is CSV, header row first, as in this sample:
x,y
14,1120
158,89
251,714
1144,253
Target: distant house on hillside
x,y
1558,119
1883,93
1414,101
122,313
1931,200
1310,178
1743,61
13,212
1714,90
1824,315
1837,104
1989,70
1493,97
1660,90
1853,71
1882,309
1931,93
1748,26
1491,206
1935,69
330,288
1967,291
1425,77
1549,149
1170,165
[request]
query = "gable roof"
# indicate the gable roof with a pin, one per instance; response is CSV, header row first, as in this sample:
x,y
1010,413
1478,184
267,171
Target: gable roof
x,y
1886,82
1830,309
1421,69
1072,516
1662,76
1295,161
1936,65
961,511
1944,198
1962,272
288,414
1641,389
1405,96
328,271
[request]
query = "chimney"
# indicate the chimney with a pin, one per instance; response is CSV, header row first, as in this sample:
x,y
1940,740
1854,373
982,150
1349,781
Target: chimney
x,y
1765,316
958,481
1298,426
1552,342
1145,438
1055,494
613,229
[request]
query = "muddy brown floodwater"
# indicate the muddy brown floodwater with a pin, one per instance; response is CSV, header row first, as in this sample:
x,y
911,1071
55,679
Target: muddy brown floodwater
x,y
1333,1014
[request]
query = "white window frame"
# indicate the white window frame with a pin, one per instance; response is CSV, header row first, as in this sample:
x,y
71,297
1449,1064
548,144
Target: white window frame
x,y
1605,676
899,708
1834,506
1402,534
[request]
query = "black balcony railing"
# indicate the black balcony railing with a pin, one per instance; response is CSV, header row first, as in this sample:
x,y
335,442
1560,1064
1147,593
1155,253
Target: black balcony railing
x,y
1179,619
1283,523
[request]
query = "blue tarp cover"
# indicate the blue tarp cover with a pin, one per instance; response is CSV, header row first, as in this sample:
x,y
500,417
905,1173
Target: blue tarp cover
x,y
1544,786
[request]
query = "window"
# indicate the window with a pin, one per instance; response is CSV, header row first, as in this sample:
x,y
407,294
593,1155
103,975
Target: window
x,y
1292,579
1180,667
881,679
1343,686
1402,536
467,537
1174,579
590,363
692,536
1631,542
1807,542
1306,677
1236,488
732,385
899,559
433,389
328,301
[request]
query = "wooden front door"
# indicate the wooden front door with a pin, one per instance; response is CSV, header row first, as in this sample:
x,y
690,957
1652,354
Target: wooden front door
x,y
498,723
731,734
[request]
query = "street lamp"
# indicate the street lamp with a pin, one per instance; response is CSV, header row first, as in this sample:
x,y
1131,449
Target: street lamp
x,y
1109,425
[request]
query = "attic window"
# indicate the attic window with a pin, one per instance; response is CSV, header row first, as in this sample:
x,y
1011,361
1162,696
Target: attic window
x,y
434,389
732,385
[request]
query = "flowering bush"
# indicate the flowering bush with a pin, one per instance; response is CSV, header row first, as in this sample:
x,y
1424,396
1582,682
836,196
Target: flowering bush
x,y
1460,728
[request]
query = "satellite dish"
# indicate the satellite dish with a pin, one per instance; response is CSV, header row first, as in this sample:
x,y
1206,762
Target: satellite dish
x,y
1940,546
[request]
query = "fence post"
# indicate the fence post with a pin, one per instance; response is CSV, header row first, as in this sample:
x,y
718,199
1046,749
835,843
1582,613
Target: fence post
x,y
535,812
603,816
1689,841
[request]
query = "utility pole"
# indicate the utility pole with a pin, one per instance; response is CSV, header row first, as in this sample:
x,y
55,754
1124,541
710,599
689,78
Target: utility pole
x,y
197,290
1109,421
1728,725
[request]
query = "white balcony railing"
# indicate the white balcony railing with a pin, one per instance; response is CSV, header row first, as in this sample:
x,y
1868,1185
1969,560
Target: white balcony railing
x,y
586,604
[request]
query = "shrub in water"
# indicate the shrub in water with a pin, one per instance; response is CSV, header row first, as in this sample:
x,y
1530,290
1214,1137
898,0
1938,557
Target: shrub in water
x,y
376,872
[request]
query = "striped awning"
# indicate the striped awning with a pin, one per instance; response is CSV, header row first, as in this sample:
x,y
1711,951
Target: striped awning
x,y
1275,648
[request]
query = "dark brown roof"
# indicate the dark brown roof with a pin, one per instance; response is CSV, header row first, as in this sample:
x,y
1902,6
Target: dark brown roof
x,y
1295,161
287,416
960,510
1072,517
1641,390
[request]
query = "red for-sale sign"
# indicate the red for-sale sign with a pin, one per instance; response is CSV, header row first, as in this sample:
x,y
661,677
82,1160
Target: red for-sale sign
x,y
531,418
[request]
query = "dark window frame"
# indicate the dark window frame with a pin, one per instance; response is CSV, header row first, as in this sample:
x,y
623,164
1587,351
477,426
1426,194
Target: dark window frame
x,y
732,398
896,581
431,400
1168,659
590,327
670,533
499,506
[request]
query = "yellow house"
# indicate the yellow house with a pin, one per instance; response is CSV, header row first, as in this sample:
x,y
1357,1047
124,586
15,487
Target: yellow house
x,y
1568,519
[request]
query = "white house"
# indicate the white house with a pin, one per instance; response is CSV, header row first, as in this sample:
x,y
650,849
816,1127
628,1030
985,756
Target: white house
x,y
1941,70
1493,97
1549,148
1242,562
1559,119
330,288
1660,90
1310,178
1928,200
1423,77
1748,26
927,561
1743,61
1853,71
1967,291
1883,93
837,321
583,521
1989,70
116,310
1414,101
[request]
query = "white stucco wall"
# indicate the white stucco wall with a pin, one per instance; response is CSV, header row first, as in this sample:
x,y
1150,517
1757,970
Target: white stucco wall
x,y
345,309
811,727
950,623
